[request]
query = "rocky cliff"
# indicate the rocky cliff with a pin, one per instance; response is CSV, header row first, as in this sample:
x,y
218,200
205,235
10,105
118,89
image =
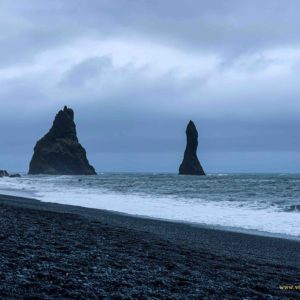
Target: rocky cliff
x,y
59,152
190,164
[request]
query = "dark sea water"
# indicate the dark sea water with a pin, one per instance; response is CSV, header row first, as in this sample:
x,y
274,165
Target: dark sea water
x,y
267,203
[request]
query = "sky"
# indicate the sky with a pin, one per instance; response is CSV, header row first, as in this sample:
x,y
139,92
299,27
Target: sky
x,y
136,71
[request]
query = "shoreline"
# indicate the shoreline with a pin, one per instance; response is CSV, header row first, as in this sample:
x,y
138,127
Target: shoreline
x,y
252,212
95,213
52,251
188,223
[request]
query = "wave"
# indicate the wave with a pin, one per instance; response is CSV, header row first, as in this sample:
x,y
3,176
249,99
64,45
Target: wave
x,y
233,214
202,212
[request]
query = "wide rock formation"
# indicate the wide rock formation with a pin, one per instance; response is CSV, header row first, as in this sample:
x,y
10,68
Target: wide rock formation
x,y
4,173
190,164
59,152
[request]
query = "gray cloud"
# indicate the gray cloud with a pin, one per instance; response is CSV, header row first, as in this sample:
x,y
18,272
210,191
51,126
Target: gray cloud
x,y
87,70
232,26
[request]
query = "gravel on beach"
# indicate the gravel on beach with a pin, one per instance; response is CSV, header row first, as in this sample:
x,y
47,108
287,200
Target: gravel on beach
x,y
53,251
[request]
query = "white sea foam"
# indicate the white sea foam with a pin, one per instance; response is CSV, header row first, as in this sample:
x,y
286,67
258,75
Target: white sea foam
x,y
222,213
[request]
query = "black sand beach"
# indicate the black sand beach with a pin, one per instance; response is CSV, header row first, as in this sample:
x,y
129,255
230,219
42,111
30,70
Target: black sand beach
x,y
52,251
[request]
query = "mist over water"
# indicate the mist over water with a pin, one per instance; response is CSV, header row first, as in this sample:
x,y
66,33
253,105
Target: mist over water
x,y
259,202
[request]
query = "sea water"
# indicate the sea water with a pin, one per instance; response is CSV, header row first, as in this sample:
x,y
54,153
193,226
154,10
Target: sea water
x,y
255,202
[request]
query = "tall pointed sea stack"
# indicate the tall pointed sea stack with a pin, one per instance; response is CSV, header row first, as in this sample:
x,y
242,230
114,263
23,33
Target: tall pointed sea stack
x,y
190,164
59,152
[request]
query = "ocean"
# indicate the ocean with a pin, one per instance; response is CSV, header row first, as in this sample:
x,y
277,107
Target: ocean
x,y
258,203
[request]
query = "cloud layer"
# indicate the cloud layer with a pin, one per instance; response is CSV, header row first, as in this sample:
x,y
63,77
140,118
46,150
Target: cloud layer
x,y
136,71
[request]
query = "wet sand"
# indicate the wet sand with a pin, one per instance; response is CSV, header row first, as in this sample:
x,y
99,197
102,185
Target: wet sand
x,y
53,251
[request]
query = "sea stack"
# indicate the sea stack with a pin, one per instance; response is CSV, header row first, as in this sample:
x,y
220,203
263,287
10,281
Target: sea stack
x,y
59,152
190,164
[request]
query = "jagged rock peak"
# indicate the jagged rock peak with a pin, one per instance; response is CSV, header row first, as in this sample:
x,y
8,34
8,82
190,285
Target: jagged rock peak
x,y
190,164
63,125
59,152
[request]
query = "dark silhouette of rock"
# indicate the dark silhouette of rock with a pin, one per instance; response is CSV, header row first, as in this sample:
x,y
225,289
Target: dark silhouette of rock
x,y
3,173
190,164
15,175
59,152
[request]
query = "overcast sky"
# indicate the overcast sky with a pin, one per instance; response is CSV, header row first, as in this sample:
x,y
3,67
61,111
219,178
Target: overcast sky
x,y
136,71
